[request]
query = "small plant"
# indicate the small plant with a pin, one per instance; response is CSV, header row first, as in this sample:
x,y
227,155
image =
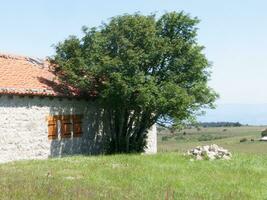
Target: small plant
x,y
224,130
264,133
160,129
166,138
210,137
205,138
179,137
243,140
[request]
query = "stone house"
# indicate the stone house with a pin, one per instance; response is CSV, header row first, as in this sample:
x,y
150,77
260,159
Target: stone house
x,y
40,118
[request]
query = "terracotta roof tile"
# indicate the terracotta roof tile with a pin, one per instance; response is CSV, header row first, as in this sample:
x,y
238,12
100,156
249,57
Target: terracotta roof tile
x,y
28,76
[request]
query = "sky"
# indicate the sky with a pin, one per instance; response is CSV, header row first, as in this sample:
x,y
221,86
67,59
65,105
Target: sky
x,y
233,33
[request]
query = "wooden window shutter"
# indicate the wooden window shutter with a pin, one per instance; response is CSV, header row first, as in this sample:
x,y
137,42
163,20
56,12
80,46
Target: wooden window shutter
x,y
66,126
52,127
77,125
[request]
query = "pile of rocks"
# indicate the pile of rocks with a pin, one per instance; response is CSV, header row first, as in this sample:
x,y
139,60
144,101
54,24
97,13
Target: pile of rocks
x,y
209,152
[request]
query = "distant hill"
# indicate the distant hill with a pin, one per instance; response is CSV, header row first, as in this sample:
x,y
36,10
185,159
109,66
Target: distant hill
x,y
220,124
252,114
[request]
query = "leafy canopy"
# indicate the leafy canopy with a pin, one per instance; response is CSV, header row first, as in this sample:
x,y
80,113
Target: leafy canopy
x,y
142,69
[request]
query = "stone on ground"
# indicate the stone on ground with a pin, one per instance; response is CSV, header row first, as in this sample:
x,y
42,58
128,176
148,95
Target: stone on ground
x,y
209,152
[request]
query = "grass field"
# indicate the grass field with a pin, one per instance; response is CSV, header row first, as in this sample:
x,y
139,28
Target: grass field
x,y
227,137
168,175
162,176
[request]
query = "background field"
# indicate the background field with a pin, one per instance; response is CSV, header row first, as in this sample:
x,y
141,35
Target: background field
x,y
227,137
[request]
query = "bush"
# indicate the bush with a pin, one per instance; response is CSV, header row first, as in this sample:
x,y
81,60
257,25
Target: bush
x,y
210,137
179,137
165,138
243,140
160,129
205,138
264,133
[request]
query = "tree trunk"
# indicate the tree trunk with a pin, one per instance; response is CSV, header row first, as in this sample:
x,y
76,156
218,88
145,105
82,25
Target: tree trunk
x,y
127,129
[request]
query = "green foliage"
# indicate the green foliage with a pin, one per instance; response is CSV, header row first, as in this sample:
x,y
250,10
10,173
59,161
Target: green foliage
x,y
180,137
160,128
205,138
209,137
243,140
142,70
264,133
220,124
165,138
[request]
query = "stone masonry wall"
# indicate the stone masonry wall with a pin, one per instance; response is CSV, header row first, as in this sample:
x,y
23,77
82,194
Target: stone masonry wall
x,y
24,128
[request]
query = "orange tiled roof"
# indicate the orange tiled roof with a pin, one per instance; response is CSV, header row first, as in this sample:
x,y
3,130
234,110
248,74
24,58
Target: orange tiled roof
x,y
27,76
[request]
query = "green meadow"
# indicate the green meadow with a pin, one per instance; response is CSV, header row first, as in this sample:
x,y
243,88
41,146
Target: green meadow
x,y
167,175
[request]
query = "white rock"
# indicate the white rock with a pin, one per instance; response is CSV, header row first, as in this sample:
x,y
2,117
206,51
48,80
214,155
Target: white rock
x,y
211,155
197,152
226,157
199,157
206,148
210,152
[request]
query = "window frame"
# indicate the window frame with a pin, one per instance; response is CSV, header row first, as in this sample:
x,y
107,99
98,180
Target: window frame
x,y
65,126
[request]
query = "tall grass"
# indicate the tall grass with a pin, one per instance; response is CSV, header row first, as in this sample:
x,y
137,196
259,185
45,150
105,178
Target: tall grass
x,y
162,176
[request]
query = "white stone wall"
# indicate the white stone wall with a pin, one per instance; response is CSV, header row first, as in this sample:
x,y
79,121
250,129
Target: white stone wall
x,y
24,128
152,140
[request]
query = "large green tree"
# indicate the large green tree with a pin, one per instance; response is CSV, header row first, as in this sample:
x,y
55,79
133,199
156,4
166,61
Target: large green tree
x,y
141,69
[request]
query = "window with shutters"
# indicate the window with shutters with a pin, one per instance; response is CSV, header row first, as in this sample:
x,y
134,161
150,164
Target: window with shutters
x,y
77,125
52,127
65,126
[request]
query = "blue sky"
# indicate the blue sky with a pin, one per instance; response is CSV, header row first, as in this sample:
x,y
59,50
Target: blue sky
x,y
233,32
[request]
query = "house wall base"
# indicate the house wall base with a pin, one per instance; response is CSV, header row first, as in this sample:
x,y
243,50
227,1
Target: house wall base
x,y
24,128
